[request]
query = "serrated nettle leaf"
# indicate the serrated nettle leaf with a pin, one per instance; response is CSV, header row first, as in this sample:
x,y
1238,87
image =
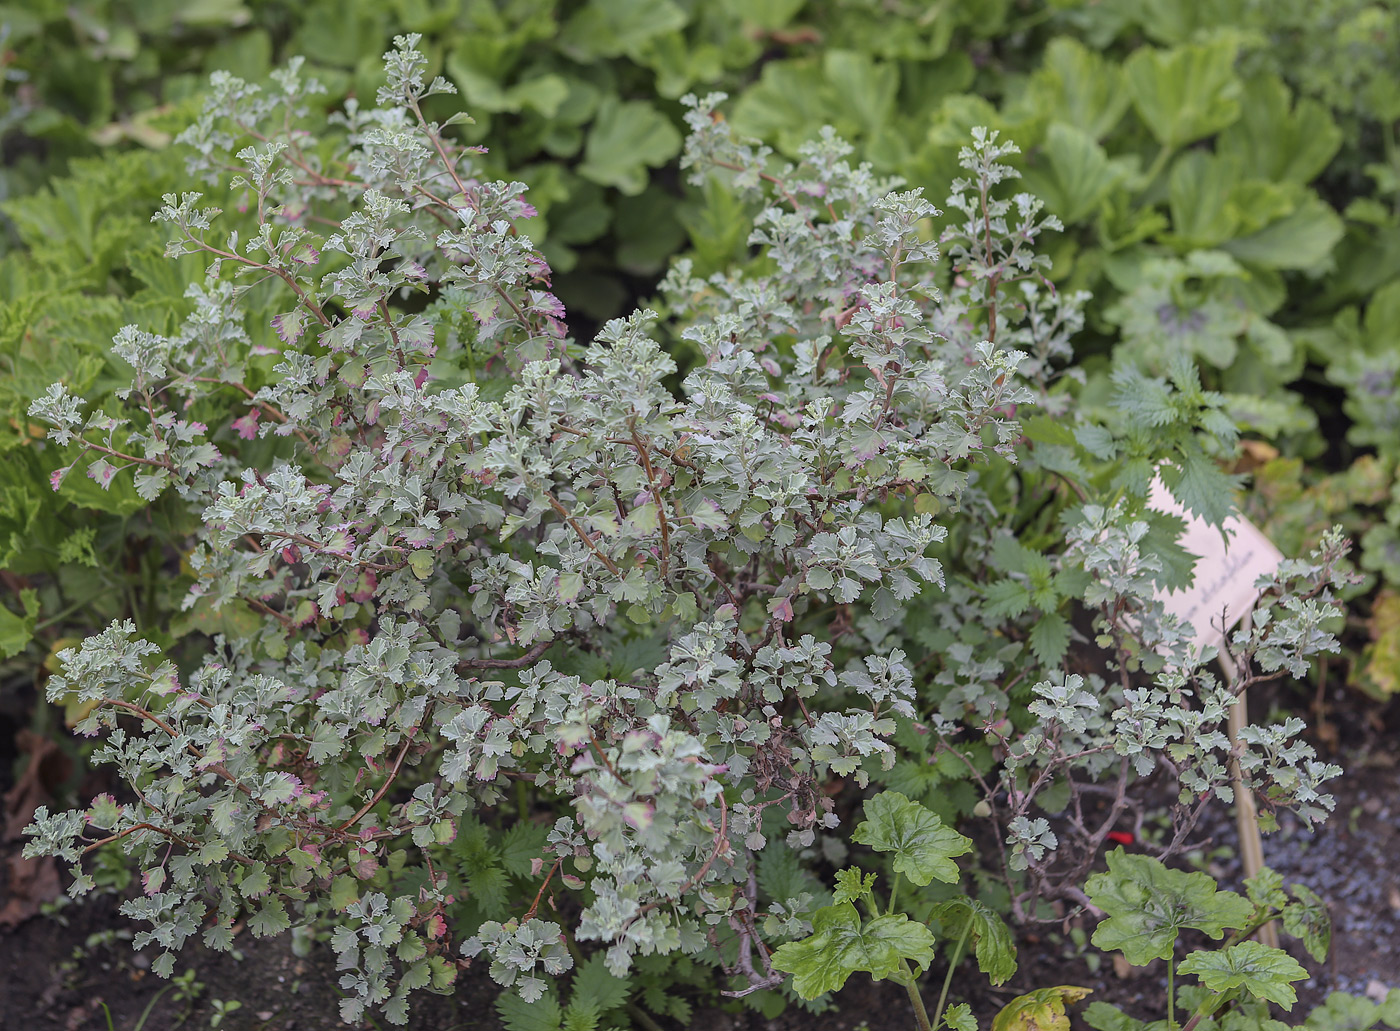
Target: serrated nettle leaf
x,y
1103,1017
1266,889
1049,638
852,885
959,1017
1308,919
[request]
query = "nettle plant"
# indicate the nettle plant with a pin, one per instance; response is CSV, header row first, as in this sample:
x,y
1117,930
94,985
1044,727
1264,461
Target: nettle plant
x,y
550,650
1089,751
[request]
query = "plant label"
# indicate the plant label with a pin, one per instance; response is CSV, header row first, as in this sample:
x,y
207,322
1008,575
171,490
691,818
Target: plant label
x,y
1225,570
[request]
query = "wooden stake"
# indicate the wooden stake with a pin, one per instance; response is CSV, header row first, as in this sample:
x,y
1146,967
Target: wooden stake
x,y
1246,815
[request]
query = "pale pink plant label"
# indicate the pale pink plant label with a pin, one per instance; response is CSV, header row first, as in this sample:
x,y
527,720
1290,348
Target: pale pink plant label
x,y
1225,571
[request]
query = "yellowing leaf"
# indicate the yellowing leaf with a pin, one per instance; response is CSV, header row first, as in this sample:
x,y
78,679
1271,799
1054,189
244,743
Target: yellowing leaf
x,y
1382,671
1040,1010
